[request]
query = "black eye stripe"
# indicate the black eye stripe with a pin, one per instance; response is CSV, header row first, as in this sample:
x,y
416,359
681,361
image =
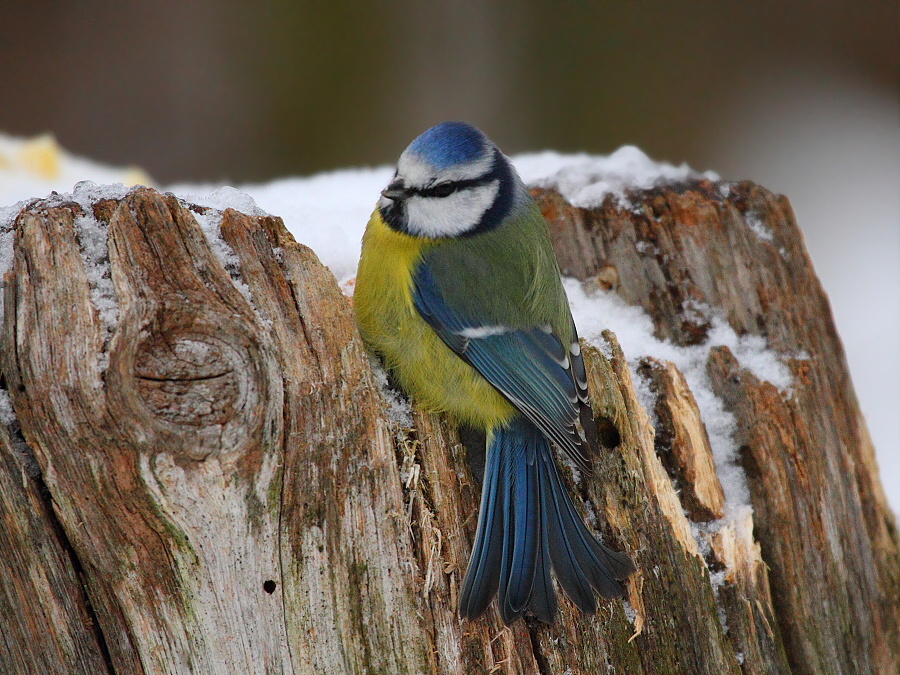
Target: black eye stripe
x,y
440,190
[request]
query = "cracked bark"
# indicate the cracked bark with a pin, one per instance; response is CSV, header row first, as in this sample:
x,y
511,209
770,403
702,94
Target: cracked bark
x,y
238,441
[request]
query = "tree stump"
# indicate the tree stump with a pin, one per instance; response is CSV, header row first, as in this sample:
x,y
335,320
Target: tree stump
x,y
202,473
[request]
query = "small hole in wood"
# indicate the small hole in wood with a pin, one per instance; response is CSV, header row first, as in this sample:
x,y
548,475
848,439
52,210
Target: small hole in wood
x,y
609,435
269,586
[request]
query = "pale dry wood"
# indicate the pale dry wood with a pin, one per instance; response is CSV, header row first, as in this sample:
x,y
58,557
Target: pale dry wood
x,y
240,500
744,597
682,442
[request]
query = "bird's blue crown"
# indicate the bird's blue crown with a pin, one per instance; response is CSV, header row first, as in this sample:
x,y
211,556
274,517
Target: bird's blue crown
x,y
450,144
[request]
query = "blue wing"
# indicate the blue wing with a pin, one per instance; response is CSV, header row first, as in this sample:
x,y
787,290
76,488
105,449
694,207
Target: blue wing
x,y
531,367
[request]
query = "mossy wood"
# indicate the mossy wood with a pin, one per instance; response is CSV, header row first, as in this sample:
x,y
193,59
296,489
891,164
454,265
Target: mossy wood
x,y
216,486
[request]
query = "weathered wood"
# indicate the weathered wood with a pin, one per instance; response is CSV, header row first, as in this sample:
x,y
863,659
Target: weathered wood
x,y
690,251
47,622
230,494
682,442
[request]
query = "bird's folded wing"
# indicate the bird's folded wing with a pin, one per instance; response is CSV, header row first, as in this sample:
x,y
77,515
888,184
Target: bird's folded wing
x,y
529,366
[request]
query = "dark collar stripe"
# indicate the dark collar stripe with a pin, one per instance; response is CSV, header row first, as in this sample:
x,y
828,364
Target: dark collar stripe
x,y
394,214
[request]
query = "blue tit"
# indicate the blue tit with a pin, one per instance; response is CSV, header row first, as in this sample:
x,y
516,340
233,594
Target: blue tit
x,y
459,292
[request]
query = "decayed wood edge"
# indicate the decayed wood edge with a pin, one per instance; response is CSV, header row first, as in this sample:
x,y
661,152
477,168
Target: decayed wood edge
x,y
626,495
682,442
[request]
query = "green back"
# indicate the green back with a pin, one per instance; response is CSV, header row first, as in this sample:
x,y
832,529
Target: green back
x,y
507,276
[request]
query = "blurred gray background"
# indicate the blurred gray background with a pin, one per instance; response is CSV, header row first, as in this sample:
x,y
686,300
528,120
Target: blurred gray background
x,y
799,96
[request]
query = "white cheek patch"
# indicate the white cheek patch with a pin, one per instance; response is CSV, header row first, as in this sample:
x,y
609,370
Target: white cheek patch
x,y
452,215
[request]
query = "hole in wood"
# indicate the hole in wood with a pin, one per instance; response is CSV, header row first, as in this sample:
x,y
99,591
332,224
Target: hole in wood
x,y
607,432
269,586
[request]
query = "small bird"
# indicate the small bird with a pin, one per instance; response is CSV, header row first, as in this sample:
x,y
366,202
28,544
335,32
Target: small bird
x,y
459,292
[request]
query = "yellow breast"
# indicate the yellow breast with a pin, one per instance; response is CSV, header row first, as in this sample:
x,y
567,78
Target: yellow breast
x,y
428,370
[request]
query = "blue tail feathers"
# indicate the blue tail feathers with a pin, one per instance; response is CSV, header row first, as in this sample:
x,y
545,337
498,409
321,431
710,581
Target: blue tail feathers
x,y
527,524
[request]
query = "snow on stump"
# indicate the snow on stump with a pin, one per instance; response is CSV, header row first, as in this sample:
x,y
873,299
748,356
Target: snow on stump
x,y
200,471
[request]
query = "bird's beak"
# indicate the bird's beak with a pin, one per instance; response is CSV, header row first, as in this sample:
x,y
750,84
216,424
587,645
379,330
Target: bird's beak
x,y
395,191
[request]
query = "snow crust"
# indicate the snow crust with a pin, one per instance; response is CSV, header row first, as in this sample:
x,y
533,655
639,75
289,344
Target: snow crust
x,y
211,223
758,227
92,240
221,198
597,311
7,416
586,180
399,410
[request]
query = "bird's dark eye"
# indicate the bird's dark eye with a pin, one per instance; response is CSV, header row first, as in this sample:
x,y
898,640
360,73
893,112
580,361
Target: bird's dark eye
x,y
443,189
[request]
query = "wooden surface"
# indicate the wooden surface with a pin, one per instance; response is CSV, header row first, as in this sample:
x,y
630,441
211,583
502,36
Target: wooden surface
x,y
211,480
820,514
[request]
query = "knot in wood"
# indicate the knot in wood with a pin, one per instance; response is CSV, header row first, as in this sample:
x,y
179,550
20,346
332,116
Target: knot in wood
x,y
189,379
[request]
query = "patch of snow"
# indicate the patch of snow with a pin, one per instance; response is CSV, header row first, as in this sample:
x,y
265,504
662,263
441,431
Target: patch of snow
x,y
567,462
642,390
210,222
758,227
586,180
327,212
399,410
87,193
7,415
221,198
600,310
646,248
92,240
348,286
717,580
